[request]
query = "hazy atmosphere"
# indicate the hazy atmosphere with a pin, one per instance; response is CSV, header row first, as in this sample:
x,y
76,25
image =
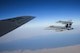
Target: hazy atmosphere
x,y
32,36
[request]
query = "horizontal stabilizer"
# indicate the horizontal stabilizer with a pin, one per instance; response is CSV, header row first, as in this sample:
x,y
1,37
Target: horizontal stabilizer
x,y
8,25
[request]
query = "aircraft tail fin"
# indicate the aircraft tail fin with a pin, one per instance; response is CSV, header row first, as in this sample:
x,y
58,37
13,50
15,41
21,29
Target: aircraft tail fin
x,y
68,25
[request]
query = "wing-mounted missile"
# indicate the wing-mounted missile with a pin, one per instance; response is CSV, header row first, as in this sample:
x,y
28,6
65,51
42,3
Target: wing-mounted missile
x,y
8,25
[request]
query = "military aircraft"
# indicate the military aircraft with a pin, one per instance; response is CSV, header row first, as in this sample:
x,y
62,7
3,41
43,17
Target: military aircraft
x,y
7,25
67,26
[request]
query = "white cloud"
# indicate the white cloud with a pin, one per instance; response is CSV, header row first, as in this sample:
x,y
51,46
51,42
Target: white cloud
x,y
69,49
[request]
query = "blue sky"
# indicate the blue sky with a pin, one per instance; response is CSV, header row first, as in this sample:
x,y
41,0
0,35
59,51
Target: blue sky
x,y
46,12
42,9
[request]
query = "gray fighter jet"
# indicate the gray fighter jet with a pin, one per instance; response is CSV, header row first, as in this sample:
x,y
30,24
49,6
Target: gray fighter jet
x,y
8,25
67,26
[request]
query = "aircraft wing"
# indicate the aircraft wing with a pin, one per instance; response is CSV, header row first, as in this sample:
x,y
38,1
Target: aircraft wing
x,y
56,28
8,25
64,22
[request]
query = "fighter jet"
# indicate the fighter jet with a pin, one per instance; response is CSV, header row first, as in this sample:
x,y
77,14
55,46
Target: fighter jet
x,y
7,25
67,26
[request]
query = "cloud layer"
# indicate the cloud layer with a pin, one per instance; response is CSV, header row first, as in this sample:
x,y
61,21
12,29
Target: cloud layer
x,y
69,49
